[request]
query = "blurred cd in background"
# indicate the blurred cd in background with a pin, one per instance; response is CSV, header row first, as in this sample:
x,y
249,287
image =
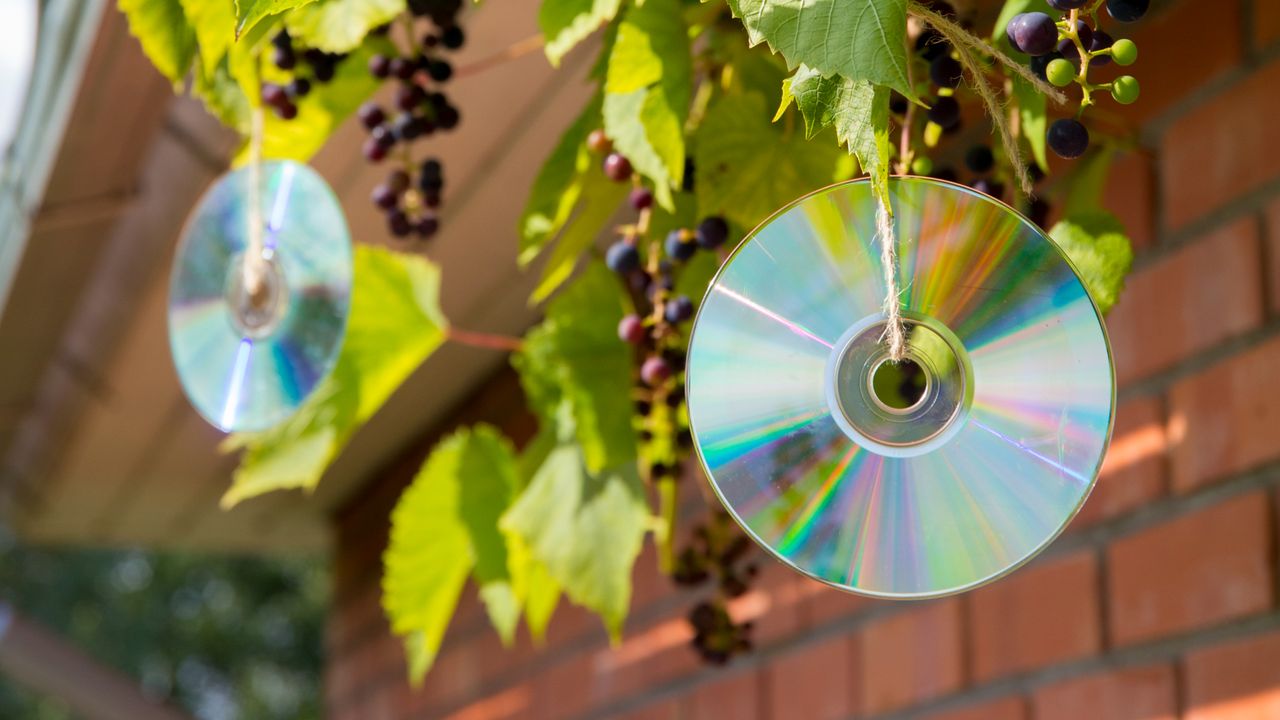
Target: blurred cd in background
x,y
248,360
914,479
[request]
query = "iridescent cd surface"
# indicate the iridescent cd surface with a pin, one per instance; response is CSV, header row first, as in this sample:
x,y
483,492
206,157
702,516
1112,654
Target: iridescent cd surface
x,y
247,363
913,480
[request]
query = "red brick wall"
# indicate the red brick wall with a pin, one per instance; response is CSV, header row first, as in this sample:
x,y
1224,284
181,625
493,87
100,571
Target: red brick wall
x,y
1160,601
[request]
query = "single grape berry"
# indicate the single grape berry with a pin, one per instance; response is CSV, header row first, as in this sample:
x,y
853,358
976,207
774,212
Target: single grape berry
x,y
1124,89
440,71
631,329
374,151
1068,138
1127,10
598,142
1034,33
979,159
922,165
617,168
447,117
299,88
945,71
401,68
406,127
432,170
1060,72
1124,52
385,197
283,58
1065,5
452,37
1040,65
945,112
1100,41
427,226
409,97
287,110
678,246
323,71
1084,32
380,66
641,198
282,39
712,232
678,309
371,116
274,95
383,136
622,257
654,371
398,223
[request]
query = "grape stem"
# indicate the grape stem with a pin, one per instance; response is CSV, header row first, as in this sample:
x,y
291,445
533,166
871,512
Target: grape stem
x,y
485,341
255,269
513,51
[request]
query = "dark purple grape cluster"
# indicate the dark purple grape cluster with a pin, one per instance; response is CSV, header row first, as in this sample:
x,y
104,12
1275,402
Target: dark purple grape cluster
x,y
308,66
719,552
411,193
1060,48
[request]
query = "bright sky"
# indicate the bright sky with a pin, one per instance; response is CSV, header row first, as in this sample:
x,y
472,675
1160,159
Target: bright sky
x,y
17,50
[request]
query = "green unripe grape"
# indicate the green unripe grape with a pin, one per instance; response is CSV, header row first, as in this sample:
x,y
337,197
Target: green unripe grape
x,y
1060,72
1125,89
922,165
1124,52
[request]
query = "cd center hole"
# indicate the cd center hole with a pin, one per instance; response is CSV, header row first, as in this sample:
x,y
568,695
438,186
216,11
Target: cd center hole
x,y
900,385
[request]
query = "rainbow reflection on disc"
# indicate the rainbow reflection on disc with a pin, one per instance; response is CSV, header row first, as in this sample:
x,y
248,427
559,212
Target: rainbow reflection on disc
x,y
913,480
247,363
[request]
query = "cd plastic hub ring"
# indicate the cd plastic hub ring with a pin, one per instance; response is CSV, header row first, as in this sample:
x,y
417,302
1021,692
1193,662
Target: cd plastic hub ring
x,y
899,409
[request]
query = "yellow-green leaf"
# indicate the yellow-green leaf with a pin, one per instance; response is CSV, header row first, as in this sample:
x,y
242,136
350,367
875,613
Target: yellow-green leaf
x,y
339,26
1096,243
444,527
250,12
565,23
165,33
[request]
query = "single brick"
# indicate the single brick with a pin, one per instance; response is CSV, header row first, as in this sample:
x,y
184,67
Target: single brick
x,y
1138,693
816,682
910,657
1174,309
1041,615
1191,572
1010,708
1223,420
1222,149
1133,472
1234,681
737,696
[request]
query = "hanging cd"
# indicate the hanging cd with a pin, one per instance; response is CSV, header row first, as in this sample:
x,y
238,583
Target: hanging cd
x,y
900,480
246,359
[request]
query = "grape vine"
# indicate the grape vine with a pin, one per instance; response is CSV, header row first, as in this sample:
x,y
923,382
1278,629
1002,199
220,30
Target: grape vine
x,y
706,118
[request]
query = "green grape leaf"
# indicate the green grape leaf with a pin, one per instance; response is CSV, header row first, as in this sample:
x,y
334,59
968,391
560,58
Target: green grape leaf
x,y
648,83
749,167
222,96
856,39
586,528
1087,181
250,12
214,22
600,198
558,186
340,26
1096,243
322,110
565,23
165,34
1031,113
857,109
444,527
573,360
395,324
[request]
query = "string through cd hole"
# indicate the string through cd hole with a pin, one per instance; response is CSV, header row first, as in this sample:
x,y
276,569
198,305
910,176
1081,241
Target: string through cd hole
x,y
899,387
